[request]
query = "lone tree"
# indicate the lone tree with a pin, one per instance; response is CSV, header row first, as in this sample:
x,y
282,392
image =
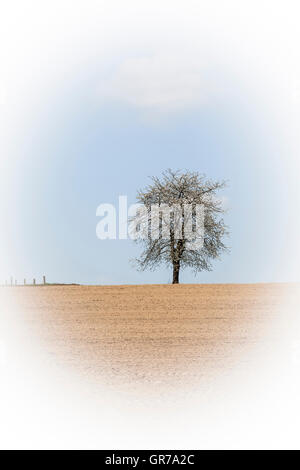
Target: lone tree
x,y
167,224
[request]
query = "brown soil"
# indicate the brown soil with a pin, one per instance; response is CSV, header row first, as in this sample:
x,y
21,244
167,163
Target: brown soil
x,y
150,334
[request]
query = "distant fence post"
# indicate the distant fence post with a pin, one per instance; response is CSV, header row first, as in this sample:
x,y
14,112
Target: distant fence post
x,y
34,282
24,282
44,280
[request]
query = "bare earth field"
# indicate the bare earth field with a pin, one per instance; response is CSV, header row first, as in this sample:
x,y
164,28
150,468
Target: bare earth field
x,y
147,335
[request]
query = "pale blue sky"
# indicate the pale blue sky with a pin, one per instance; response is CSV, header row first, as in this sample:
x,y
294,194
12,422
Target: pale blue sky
x,y
84,149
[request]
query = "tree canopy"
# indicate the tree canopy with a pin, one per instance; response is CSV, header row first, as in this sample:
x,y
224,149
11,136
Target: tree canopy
x,y
181,199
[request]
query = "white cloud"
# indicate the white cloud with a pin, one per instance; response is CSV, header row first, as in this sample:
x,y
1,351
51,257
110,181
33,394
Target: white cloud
x,y
160,82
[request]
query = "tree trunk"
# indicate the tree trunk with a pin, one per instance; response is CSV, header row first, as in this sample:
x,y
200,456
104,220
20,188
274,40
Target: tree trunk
x,y
176,267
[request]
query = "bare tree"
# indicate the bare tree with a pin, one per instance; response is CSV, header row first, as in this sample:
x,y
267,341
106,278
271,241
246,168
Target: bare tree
x,y
179,191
